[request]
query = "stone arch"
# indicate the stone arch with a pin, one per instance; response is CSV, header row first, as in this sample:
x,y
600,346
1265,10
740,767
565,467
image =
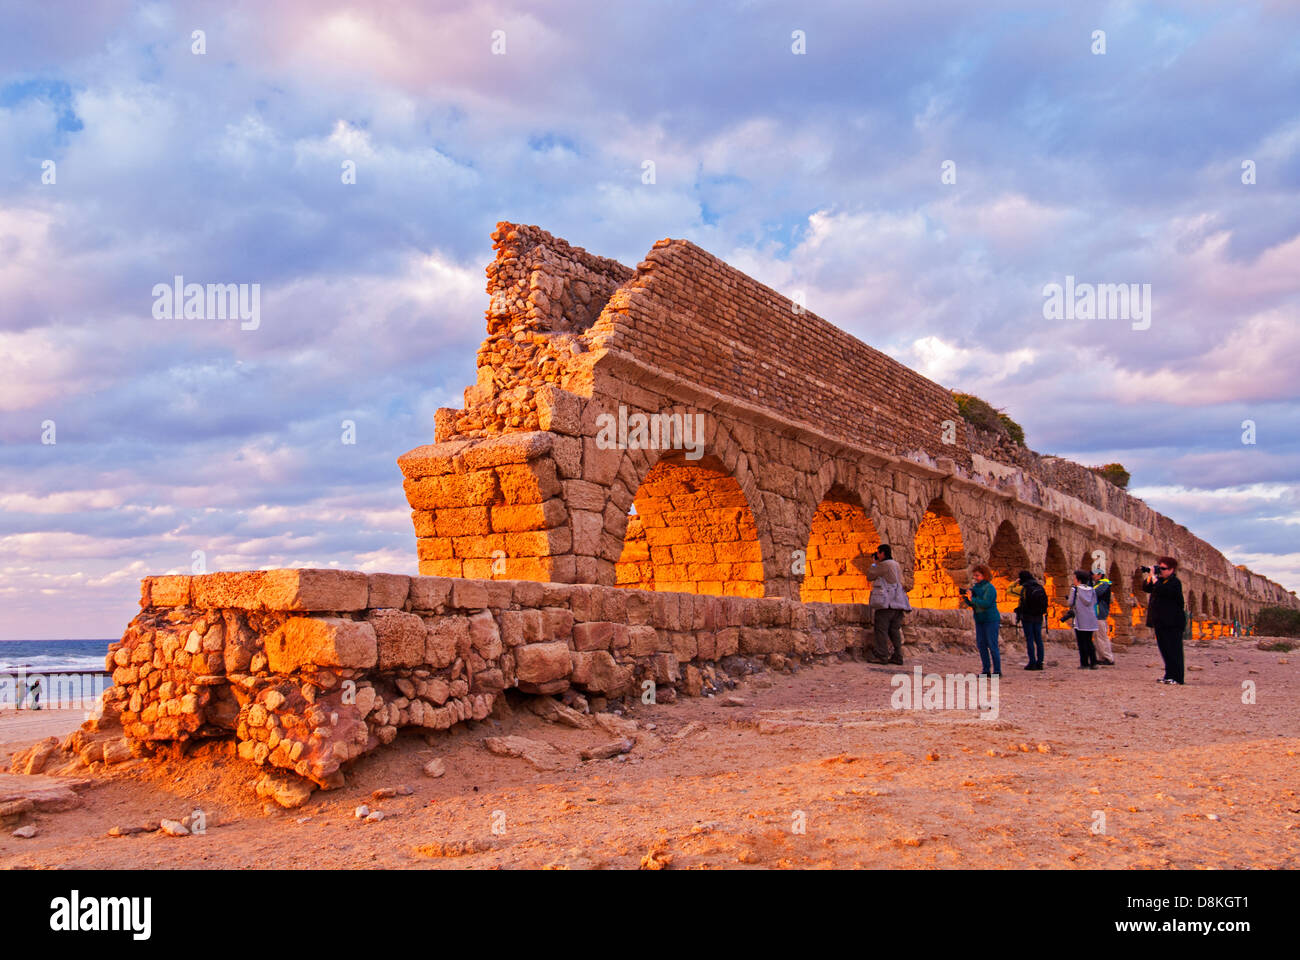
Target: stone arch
x,y
1056,580
1007,557
939,559
840,539
693,532
722,455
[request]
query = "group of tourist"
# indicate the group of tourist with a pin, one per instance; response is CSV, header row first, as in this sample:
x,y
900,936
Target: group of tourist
x,y
1087,610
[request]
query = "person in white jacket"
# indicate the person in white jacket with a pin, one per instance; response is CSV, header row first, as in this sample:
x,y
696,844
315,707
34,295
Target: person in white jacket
x,y
1082,609
888,604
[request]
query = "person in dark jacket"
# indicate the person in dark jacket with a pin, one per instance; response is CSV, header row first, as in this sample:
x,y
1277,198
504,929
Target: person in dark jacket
x,y
1167,615
1030,612
983,599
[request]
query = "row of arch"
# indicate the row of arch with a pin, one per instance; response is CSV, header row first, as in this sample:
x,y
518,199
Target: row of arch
x,y
690,529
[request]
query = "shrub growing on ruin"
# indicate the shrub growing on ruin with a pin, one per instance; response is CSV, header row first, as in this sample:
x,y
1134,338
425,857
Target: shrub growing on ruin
x,y
1114,473
983,415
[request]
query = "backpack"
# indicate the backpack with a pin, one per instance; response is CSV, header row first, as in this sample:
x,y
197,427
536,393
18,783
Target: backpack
x,y
1034,602
1103,594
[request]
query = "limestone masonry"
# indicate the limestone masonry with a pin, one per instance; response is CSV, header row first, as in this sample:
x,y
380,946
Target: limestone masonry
x,y
815,448
659,472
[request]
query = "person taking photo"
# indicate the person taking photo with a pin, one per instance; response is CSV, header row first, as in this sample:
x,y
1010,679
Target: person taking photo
x,y
1167,615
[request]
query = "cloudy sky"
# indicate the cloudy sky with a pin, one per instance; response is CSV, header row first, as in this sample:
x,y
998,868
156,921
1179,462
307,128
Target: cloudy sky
x,y
818,172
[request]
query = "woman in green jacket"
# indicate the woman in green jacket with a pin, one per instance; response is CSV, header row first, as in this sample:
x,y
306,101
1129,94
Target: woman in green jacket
x,y
983,599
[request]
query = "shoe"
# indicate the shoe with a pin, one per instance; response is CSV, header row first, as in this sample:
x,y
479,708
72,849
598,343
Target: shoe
x,y
1106,663
1030,666
1092,666
898,661
872,658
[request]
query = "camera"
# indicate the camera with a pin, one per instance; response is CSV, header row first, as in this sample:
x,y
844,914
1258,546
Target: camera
x,y
962,591
1145,569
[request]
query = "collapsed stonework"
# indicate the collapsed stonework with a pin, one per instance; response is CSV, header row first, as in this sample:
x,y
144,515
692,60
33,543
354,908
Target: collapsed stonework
x,y
307,670
658,470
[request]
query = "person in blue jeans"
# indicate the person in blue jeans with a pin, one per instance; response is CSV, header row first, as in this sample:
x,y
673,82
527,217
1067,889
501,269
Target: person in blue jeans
x,y
1030,612
983,599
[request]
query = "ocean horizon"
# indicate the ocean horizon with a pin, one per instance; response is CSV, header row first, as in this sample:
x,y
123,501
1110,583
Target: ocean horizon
x,y
54,656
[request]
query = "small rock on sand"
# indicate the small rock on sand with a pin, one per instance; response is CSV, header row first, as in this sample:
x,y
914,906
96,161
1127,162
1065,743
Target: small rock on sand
x,y
539,754
173,828
604,751
689,730
616,726
25,833
287,791
435,768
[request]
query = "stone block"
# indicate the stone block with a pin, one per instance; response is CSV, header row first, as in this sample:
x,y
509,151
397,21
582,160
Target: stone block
x,y
593,636
522,626
171,591
567,455
430,593
557,623
642,640
469,595
509,448
534,482
323,642
585,495
400,638
237,590
388,590
336,591
598,672
431,460
445,639
559,410
485,635
542,662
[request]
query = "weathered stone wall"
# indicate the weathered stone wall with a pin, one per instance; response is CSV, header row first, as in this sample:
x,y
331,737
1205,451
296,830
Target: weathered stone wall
x,y
309,669
791,409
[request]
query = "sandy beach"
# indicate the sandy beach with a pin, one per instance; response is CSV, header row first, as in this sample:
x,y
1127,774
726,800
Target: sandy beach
x,y
1088,769
20,727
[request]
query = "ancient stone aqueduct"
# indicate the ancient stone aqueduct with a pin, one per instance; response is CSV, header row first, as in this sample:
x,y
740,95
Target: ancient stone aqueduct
x,y
815,446
561,548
